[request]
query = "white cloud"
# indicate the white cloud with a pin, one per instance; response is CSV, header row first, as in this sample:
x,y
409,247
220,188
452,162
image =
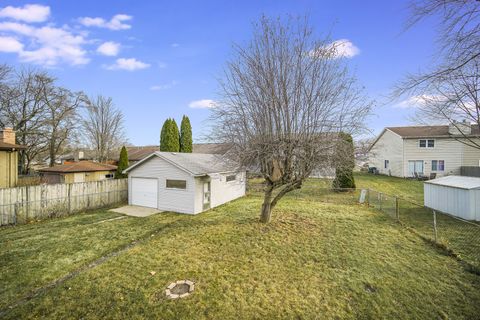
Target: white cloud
x,y
9,44
27,13
342,48
414,101
49,45
202,104
164,86
116,23
109,48
130,64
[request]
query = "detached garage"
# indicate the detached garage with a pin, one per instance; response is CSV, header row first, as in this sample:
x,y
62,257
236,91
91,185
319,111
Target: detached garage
x,y
184,182
455,195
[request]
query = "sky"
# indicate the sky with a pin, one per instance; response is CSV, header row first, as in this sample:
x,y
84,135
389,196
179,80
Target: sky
x,y
161,59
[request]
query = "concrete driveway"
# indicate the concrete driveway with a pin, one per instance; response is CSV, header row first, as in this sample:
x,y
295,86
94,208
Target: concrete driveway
x,y
136,211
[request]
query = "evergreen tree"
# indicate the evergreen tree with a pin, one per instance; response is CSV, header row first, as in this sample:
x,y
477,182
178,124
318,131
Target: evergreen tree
x,y
122,164
170,137
185,135
163,135
345,162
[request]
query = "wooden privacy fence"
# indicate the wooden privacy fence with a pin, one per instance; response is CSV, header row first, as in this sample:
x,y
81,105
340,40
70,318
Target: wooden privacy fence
x,y
19,205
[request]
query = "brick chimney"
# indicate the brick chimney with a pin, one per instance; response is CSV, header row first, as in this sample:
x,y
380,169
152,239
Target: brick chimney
x,y
7,135
459,128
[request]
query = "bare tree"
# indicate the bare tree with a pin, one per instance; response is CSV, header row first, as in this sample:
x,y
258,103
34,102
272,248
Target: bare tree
x,y
22,107
103,127
451,97
459,37
285,98
60,115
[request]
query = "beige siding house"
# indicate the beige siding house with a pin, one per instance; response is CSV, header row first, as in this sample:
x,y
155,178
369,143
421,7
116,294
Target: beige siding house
x,y
81,171
423,150
8,158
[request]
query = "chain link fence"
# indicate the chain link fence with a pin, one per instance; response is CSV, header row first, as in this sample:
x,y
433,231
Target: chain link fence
x,y
460,236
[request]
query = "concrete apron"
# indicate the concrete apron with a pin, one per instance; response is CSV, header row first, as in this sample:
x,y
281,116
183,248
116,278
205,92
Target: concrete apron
x,y
136,211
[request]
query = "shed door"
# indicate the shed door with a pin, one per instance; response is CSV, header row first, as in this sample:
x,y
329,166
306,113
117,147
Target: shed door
x,y
144,192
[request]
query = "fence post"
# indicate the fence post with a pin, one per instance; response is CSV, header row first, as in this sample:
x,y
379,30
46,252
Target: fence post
x,y
69,198
435,225
380,196
15,212
397,209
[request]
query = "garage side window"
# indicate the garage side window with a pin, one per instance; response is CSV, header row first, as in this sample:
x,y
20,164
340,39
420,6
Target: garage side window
x,y
176,184
232,177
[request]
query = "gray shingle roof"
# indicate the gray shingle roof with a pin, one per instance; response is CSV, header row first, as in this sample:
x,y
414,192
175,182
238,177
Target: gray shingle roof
x,y
196,163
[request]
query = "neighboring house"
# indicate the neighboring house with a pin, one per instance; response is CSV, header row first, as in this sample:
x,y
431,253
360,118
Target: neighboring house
x,y
8,158
82,171
422,150
184,182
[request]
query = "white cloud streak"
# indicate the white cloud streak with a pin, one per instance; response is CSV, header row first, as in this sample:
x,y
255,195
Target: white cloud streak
x,y
130,64
202,104
116,23
342,48
109,48
164,86
27,13
9,44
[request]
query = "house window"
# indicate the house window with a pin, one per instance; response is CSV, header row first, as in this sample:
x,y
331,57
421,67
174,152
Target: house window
x,y
232,177
109,176
387,164
176,184
426,143
438,165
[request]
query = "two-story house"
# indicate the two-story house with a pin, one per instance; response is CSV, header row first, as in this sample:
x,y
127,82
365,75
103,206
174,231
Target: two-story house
x,y
422,150
8,158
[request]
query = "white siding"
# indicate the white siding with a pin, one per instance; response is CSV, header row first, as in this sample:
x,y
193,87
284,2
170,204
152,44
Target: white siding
x,y
447,149
471,156
458,202
168,199
223,191
388,147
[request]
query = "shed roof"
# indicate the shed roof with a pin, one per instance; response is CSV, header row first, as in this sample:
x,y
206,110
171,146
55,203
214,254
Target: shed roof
x,y
10,146
195,163
460,182
81,166
428,131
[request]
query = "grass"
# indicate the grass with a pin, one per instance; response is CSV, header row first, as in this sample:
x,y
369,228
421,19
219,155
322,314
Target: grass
x,y
315,260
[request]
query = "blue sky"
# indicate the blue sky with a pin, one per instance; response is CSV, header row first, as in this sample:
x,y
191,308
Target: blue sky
x,y
160,59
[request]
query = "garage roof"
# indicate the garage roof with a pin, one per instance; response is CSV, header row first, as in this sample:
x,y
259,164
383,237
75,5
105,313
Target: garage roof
x,y
460,182
197,164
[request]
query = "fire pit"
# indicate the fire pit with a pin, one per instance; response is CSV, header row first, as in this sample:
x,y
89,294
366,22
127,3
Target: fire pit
x,y
179,289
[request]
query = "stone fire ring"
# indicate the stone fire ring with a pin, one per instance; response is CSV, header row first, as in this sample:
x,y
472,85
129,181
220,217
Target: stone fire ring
x,y
179,289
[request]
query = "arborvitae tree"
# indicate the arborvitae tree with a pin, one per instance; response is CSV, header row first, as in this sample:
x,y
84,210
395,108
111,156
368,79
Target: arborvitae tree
x,y
173,137
122,164
185,135
345,162
170,137
163,135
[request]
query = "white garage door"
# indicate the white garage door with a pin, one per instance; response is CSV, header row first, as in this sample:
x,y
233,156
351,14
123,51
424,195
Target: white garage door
x,y
144,192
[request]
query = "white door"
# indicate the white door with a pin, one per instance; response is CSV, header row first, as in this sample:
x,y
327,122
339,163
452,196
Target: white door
x,y
415,166
206,195
144,192
79,177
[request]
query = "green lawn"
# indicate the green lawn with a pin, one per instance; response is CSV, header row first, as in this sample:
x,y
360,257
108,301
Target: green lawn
x,y
316,259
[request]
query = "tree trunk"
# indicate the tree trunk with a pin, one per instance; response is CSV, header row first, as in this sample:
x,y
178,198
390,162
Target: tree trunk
x,y
266,206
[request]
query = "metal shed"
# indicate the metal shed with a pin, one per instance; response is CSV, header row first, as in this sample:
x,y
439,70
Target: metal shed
x,y
455,195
